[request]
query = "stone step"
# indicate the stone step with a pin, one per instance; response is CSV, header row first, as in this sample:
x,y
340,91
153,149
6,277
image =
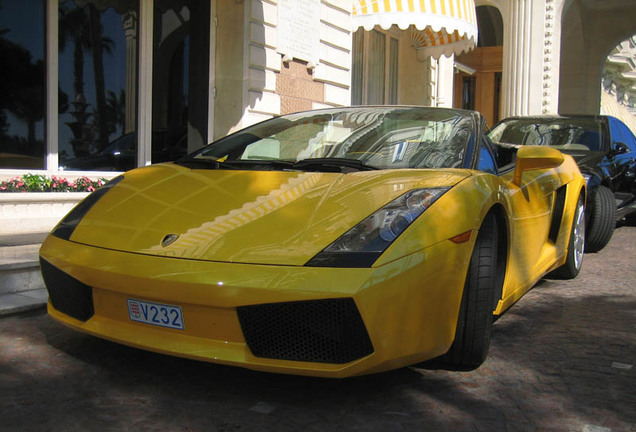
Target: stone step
x,y
19,239
23,301
21,284
20,268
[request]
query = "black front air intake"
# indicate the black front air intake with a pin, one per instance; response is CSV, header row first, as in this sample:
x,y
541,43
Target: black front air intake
x,y
67,294
322,331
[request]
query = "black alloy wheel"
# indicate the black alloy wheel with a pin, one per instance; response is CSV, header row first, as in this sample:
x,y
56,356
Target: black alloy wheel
x,y
576,246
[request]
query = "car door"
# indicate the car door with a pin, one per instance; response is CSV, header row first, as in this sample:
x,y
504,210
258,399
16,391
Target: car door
x,y
530,210
622,161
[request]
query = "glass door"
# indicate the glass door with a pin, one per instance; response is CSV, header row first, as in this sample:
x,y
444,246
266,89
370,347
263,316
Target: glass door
x,y
180,81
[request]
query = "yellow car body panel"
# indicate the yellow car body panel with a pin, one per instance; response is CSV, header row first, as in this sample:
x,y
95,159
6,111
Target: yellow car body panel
x,y
245,237
262,217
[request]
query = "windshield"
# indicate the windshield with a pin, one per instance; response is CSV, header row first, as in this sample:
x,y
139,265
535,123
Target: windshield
x,y
124,144
358,138
575,134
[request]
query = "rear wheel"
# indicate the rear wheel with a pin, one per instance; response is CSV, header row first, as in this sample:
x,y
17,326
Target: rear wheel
x,y
602,219
576,246
472,336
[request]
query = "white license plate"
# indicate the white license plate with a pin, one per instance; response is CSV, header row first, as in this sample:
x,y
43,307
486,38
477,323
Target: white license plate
x,y
156,314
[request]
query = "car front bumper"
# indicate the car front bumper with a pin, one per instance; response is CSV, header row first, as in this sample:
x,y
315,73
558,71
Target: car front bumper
x,y
408,308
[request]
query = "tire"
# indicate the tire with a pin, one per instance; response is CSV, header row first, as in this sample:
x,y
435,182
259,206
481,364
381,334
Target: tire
x,y
576,246
472,336
602,219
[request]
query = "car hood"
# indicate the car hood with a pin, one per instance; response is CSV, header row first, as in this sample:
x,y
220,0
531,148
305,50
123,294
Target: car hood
x,y
589,161
260,217
101,162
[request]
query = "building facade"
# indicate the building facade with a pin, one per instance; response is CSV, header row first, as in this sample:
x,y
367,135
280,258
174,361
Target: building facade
x,y
101,86
618,97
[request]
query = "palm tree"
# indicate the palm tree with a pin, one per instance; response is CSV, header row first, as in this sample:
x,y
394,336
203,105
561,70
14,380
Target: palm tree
x,y
99,46
116,108
82,25
72,24
72,27
21,85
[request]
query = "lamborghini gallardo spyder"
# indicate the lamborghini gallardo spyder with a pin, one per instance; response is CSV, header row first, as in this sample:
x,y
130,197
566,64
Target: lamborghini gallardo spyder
x,y
331,243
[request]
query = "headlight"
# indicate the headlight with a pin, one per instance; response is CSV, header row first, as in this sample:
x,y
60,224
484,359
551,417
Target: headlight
x,y
65,228
364,243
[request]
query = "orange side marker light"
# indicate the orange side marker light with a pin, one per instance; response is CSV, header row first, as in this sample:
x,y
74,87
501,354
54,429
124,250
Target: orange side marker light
x,y
461,238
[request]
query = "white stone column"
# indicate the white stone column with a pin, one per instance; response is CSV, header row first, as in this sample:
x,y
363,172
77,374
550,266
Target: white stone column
x,y
445,70
522,81
52,87
551,56
144,100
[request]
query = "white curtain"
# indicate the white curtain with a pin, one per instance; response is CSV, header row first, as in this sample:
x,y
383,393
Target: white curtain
x,y
376,69
393,72
357,69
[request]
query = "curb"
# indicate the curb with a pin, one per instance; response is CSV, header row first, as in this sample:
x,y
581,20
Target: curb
x,y
21,302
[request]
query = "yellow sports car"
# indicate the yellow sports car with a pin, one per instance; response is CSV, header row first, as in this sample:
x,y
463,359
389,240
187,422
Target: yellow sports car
x,y
331,243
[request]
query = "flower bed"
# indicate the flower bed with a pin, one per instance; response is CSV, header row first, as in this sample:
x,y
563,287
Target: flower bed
x,y
42,183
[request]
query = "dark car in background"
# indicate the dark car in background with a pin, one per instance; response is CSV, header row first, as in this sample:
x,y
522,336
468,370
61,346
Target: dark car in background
x,y
121,154
605,150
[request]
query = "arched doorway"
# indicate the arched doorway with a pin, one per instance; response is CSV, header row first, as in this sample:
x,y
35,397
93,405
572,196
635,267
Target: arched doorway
x,y
590,30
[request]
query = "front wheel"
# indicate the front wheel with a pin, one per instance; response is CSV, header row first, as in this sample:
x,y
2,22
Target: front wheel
x,y
472,336
576,246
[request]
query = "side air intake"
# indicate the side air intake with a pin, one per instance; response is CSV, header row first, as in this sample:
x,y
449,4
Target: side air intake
x,y
557,213
67,294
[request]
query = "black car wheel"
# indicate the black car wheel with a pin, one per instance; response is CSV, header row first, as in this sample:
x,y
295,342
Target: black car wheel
x,y
576,246
472,336
602,219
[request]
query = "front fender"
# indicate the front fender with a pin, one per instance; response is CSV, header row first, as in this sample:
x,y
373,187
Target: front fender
x,y
458,211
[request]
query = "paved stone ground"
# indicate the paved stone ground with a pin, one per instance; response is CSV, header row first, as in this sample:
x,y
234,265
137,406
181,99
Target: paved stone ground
x,y
562,359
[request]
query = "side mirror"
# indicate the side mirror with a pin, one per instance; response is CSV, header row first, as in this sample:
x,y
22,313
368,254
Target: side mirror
x,y
620,148
534,158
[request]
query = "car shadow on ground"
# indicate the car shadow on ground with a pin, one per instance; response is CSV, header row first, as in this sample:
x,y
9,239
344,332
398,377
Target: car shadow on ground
x,y
553,362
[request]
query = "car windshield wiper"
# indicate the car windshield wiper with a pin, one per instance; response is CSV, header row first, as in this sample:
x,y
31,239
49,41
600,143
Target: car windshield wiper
x,y
334,164
203,164
321,164
270,164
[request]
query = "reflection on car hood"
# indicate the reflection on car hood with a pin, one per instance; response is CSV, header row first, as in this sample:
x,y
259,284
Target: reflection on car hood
x,y
265,217
588,162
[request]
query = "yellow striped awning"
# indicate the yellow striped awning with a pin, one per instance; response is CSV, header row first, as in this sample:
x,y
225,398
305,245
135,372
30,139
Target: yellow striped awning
x,y
439,26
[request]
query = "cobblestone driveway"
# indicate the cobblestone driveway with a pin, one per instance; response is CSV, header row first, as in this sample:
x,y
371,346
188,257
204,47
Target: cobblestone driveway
x,y
562,359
